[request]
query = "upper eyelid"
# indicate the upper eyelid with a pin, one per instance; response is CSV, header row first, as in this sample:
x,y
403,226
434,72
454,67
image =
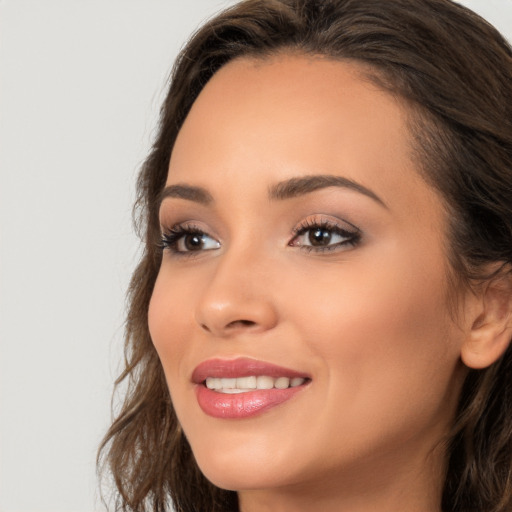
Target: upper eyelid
x,y
190,225
352,232
306,223
328,222
182,225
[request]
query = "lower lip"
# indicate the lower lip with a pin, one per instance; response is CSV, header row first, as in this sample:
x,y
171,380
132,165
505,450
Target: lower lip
x,y
242,405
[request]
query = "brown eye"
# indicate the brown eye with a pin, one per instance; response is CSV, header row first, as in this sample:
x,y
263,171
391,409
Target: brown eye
x,y
181,239
193,242
320,236
324,237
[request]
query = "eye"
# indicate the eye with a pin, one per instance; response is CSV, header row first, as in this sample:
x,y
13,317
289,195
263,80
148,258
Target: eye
x,y
325,236
185,239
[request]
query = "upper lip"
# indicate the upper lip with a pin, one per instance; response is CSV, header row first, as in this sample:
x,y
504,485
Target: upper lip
x,y
241,367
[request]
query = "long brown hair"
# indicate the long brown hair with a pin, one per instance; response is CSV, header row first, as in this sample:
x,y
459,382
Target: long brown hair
x,y
454,71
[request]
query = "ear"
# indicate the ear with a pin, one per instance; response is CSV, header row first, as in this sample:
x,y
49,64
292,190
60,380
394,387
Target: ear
x,y
491,322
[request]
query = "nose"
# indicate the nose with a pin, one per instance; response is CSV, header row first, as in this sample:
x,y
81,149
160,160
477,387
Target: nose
x,y
236,300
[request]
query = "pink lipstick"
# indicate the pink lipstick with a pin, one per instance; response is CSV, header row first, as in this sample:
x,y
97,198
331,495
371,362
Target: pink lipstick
x,y
242,388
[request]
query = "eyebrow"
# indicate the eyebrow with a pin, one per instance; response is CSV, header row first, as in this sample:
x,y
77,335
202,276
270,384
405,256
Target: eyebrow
x,y
183,191
295,187
288,189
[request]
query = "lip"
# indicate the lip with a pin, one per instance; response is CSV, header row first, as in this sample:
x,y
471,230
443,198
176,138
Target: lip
x,y
242,405
241,367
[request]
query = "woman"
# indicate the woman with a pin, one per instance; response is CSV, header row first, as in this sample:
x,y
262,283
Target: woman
x,y
323,312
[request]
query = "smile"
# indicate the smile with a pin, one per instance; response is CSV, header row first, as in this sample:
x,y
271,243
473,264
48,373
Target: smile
x,y
246,384
242,388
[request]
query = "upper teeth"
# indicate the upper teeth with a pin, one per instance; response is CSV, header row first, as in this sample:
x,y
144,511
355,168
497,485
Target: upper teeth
x,y
244,384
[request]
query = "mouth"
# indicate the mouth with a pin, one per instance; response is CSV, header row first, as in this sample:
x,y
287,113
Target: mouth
x,y
242,388
252,382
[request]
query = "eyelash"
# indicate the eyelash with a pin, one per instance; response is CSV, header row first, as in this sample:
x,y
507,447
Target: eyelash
x,y
352,237
171,237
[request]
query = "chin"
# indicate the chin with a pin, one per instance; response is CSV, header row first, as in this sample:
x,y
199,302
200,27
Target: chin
x,y
235,479
243,467
236,475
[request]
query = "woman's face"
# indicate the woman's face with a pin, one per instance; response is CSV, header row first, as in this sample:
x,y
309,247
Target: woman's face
x,y
302,244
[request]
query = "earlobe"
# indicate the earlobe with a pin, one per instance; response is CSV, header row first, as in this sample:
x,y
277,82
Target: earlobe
x,y
491,324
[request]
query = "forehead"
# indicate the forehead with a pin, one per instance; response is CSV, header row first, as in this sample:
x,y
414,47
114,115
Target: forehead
x,y
269,103
292,115
295,82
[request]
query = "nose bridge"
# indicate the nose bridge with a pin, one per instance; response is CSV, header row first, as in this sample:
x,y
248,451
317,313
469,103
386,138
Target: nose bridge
x,y
238,295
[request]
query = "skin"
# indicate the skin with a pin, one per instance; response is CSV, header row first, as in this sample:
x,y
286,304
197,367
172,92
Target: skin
x,y
369,322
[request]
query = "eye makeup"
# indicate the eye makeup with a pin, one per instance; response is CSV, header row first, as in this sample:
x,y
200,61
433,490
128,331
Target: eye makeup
x,y
320,234
183,239
314,234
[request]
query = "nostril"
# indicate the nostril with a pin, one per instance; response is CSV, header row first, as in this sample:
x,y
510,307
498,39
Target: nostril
x,y
241,323
235,324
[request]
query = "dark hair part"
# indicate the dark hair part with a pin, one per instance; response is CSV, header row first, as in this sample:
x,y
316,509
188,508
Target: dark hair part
x,y
454,70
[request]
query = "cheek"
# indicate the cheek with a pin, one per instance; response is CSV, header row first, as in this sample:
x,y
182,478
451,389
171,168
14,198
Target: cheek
x,y
386,341
380,302
170,318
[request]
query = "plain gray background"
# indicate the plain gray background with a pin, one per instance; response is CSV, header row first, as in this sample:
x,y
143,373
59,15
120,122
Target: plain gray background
x,y
80,86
